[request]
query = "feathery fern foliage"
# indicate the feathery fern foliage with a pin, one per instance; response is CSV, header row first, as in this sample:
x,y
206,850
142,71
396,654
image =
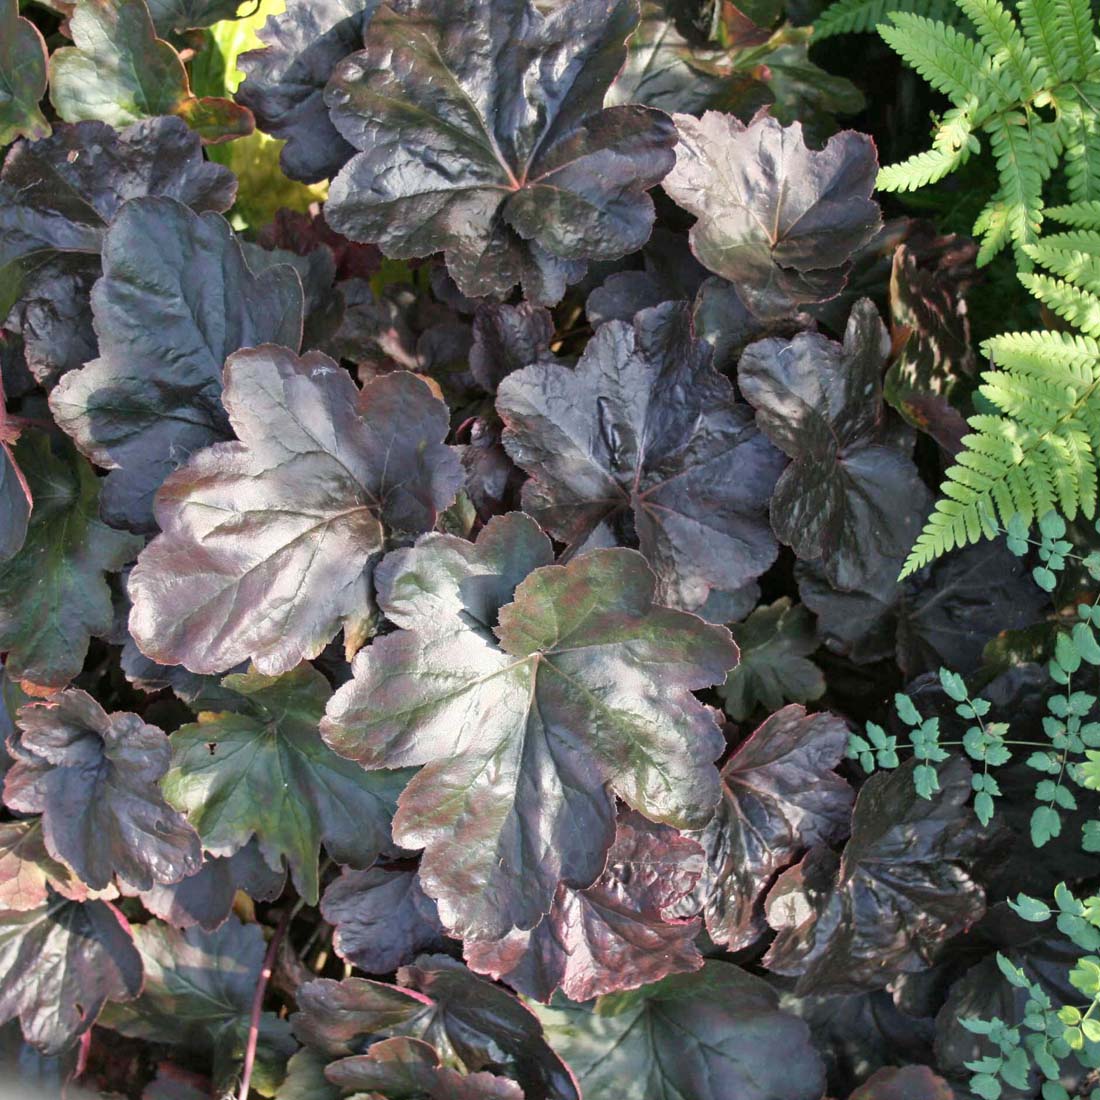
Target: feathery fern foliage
x,y
1041,451
858,16
1028,85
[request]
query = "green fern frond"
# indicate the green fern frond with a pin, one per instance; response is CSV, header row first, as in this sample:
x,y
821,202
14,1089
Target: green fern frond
x,y
1081,129
952,63
1001,35
921,169
1039,19
1041,449
860,16
1080,215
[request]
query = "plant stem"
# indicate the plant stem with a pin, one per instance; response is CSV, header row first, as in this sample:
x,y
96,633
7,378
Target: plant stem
x,y
258,1001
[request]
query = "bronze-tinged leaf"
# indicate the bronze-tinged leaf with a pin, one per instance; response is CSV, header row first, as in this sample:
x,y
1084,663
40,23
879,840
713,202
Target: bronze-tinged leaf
x,y
268,544
482,135
529,717
617,933
778,219
23,77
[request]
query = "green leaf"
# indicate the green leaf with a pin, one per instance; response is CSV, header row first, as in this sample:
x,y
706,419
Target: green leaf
x,y
775,642
53,594
954,685
118,72
1031,909
1045,825
22,77
264,771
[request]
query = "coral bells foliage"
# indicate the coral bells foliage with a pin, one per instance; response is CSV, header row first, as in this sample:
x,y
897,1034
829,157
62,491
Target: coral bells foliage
x,y
438,616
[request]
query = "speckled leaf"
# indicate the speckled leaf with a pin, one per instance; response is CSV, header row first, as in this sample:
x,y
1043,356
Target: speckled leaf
x,y
53,593
717,1034
776,218
616,934
264,771
850,497
780,796
382,918
118,72
472,1024
176,298
57,197
22,76
776,641
525,741
899,891
269,543
94,777
198,997
284,83
645,444
484,137
59,964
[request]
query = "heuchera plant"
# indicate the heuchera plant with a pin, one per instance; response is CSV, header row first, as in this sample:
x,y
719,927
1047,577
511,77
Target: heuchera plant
x,y
450,622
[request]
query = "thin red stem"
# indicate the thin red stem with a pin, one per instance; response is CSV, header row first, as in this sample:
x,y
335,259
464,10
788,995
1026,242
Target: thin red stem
x,y
258,1002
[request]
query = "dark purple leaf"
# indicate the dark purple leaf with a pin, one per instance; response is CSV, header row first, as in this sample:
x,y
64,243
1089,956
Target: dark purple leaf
x,y
779,220
94,778
671,273
16,498
942,615
382,918
849,497
472,1024
717,1033
59,965
198,997
284,83
484,137
403,1067
206,897
304,233
615,934
322,471
262,770
175,299
53,593
57,198
586,695
780,796
644,444
174,17
507,339
898,892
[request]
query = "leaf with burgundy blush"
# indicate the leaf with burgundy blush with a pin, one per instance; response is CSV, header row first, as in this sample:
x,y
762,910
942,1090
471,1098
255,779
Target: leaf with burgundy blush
x,y
717,1033
405,1068
473,1025
268,544
898,892
198,996
262,770
778,219
483,136
849,497
94,777
54,595
60,964
904,1083
23,77
118,71
527,723
28,872
382,918
303,233
615,934
285,81
57,197
176,298
645,444
780,796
